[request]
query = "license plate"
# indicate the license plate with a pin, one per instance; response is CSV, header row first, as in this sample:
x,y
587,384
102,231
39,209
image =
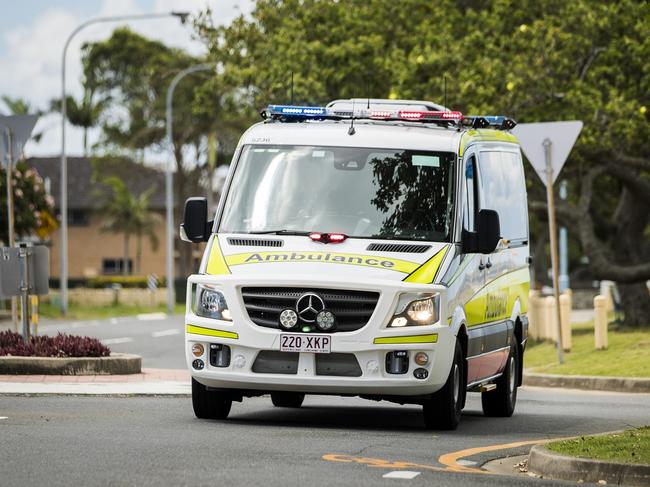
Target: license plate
x,y
305,343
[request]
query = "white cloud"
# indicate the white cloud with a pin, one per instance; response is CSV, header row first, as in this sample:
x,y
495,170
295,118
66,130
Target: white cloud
x,y
31,58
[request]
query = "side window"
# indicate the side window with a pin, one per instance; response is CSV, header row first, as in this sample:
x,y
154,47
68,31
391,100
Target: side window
x,y
469,212
503,189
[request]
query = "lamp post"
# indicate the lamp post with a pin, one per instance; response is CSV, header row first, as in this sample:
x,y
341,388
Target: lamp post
x,y
169,179
64,162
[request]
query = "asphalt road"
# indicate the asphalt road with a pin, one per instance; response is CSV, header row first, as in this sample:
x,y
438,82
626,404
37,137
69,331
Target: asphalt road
x,y
77,440
157,338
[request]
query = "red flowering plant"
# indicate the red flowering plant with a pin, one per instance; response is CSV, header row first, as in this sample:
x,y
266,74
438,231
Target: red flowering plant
x,y
61,345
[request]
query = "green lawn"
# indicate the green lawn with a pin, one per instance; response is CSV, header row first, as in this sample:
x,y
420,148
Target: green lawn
x,y
628,354
632,446
78,312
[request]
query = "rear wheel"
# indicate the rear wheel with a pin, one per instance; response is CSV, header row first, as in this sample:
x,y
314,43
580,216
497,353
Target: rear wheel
x,y
442,411
209,404
501,401
287,399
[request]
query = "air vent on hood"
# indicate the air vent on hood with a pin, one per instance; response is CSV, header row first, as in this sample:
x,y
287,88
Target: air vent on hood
x,y
407,248
256,242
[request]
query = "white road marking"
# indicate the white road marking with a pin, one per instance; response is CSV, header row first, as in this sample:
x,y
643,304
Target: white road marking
x,y
164,333
115,341
152,316
4,417
401,474
114,320
466,463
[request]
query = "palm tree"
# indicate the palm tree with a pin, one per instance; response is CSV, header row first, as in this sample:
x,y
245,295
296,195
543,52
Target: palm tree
x,y
84,113
20,106
129,214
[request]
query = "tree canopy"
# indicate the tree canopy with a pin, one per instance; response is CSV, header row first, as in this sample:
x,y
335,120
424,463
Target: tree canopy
x,y
533,60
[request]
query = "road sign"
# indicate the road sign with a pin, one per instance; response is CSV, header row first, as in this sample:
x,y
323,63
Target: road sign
x,y
562,136
547,146
20,127
152,282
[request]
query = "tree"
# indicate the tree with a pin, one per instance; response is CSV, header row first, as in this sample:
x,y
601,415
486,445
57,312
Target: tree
x,y
536,61
33,207
84,113
133,74
128,214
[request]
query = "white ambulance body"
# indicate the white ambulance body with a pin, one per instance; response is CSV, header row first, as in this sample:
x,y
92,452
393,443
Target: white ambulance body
x,y
367,248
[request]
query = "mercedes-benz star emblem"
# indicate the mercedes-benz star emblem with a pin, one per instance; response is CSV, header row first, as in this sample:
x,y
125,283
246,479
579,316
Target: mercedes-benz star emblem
x,y
308,306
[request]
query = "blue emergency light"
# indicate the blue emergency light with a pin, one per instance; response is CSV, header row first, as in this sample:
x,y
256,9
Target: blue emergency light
x,y
296,111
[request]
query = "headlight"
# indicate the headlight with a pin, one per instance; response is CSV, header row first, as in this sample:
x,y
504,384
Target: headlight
x,y
211,303
416,310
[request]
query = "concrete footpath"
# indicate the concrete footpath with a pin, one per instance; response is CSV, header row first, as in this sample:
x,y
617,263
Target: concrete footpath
x,y
149,382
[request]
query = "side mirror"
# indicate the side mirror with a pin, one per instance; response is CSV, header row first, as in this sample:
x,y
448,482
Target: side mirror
x,y
195,227
487,235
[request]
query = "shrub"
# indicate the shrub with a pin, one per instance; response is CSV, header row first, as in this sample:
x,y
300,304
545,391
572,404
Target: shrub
x,y
140,282
61,345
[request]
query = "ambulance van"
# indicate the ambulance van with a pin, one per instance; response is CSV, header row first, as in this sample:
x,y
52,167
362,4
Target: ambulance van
x,y
371,248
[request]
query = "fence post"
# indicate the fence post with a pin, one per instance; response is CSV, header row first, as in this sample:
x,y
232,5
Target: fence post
x,y
533,314
565,313
600,322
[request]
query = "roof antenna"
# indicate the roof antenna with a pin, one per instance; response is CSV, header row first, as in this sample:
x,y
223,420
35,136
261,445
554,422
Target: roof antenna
x,y
351,130
444,88
291,88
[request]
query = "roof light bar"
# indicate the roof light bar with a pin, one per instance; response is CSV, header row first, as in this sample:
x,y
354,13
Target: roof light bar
x,y
296,111
417,115
500,122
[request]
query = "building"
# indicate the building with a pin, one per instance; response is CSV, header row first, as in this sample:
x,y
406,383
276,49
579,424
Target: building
x,y
93,252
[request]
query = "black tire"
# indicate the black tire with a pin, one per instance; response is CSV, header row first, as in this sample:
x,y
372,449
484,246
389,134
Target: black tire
x,y
287,399
209,404
501,401
442,411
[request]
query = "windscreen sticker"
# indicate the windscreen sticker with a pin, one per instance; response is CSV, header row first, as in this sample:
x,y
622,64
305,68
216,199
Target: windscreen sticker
x,y
377,262
430,161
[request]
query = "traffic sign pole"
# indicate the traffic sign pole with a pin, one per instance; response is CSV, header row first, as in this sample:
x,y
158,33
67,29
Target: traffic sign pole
x,y
10,214
553,241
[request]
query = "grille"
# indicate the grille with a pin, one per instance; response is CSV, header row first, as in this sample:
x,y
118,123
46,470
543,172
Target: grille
x,y
256,242
352,309
407,248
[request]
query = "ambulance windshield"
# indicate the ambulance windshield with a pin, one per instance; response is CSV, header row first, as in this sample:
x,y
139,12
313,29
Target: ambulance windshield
x,y
365,193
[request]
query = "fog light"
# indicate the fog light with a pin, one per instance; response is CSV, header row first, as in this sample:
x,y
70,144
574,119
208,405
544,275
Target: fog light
x,y
421,373
288,319
197,349
239,361
198,364
421,358
325,320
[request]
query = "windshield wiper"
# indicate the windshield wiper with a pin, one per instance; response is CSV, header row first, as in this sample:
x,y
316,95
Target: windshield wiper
x,y
281,232
398,237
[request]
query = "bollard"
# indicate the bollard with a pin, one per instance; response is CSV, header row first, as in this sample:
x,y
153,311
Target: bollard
x,y
533,314
600,322
565,314
550,329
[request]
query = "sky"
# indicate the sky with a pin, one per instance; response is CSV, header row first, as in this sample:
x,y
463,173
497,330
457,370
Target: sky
x,y
33,33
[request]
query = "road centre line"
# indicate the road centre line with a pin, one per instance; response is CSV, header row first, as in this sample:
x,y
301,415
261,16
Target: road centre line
x,y
4,417
401,474
164,333
115,341
151,316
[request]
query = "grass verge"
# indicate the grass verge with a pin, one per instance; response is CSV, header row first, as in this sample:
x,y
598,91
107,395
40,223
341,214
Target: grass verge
x,y
80,312
628,354
631,446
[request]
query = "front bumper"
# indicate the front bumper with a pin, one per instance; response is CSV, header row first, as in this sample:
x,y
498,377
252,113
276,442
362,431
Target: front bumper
x,y
247,339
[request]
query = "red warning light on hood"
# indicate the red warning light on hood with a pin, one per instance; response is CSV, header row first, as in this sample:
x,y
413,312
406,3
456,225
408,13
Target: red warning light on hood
x,y
327,237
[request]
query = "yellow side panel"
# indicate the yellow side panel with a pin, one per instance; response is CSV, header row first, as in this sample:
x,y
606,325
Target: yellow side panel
x,y
496,299
485,135
426,273
216,263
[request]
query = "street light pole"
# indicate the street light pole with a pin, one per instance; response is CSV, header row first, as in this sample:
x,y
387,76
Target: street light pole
x,y
169,179
64,161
